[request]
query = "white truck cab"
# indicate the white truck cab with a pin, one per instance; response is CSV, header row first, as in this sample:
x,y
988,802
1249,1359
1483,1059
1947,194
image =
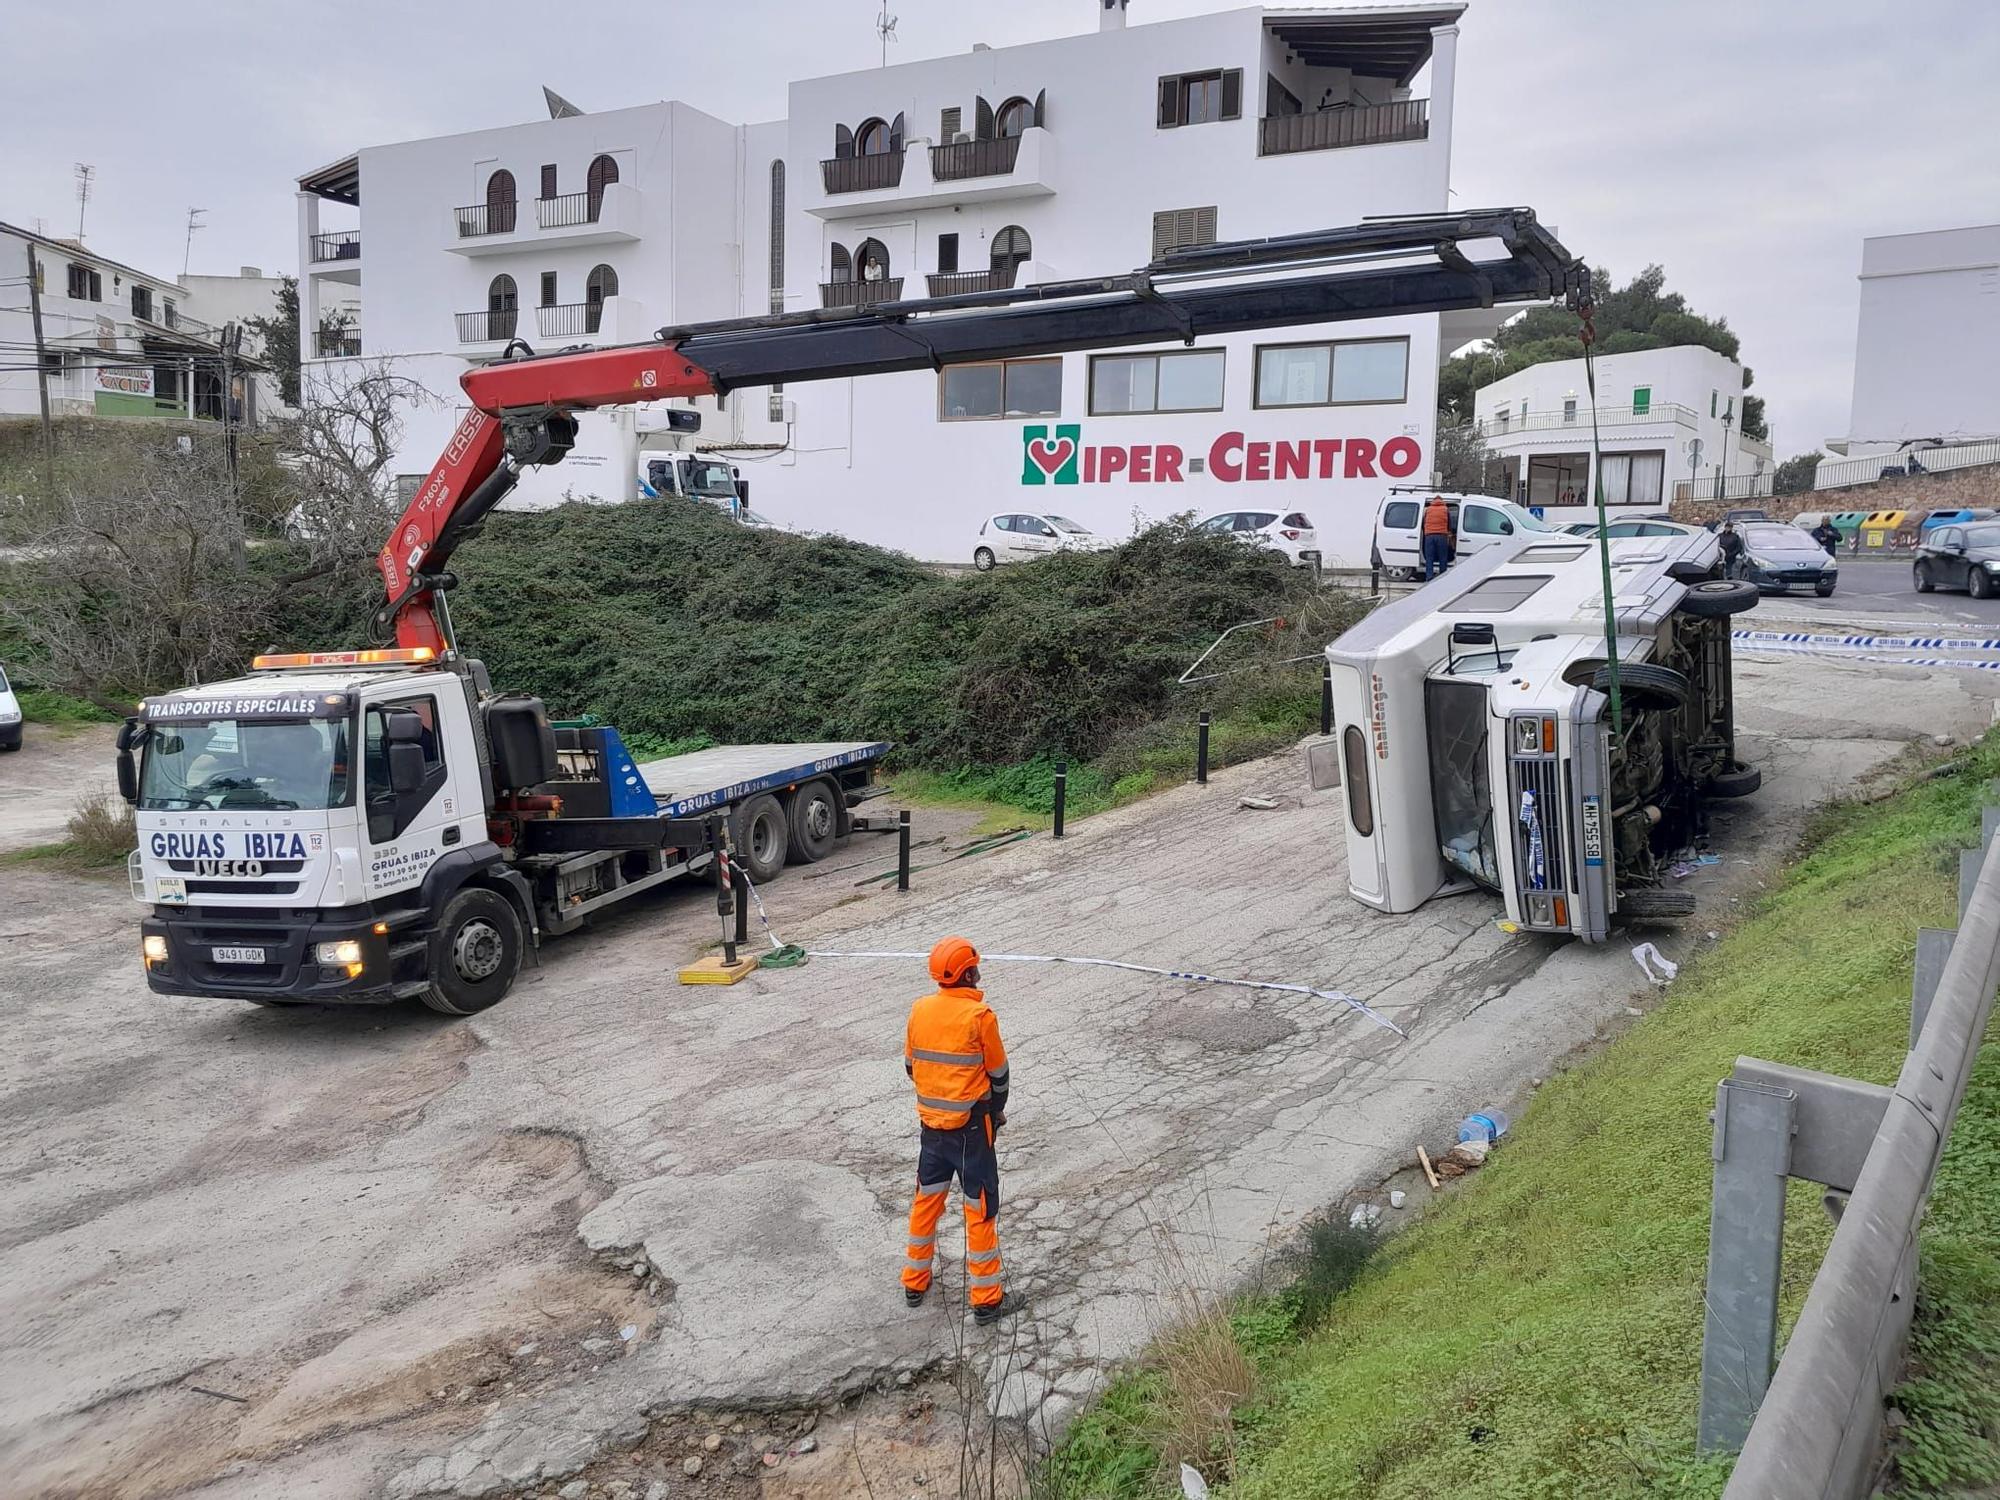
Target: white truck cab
x,y
1478,747
694,476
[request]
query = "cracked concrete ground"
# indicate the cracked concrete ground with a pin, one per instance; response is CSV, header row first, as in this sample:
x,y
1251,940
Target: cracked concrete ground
x,y
332,1253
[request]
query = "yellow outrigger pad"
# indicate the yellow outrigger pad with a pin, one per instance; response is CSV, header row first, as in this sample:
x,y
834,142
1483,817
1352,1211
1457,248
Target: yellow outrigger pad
x,y
713,970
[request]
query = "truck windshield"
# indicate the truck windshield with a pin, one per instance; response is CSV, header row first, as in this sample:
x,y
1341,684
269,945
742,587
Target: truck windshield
x,y
1461,797
246,763
711,479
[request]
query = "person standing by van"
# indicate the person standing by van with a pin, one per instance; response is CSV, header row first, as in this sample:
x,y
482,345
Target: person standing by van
x,y
1436,537
1827,535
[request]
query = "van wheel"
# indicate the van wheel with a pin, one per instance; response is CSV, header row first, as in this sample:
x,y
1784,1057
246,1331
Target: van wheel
x,y
475,953
1648,902
1645,685
1738,781
759,834
815,821
1719,597
983,559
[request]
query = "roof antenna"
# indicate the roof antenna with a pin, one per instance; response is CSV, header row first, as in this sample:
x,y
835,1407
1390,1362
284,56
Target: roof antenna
x,y
885,28
187,250
84,172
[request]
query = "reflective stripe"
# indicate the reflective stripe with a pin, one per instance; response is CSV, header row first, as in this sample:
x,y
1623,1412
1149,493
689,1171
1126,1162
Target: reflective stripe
x,y
950,1106
998,1075
917,1241
985,1265
932,1189
916,1265
952,1059
993,1280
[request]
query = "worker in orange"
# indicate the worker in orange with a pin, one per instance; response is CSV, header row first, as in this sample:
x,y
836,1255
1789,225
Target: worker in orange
x,y
1436,537
952,1052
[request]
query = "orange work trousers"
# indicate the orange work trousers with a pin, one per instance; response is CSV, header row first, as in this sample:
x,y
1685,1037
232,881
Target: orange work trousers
x,y
966,1154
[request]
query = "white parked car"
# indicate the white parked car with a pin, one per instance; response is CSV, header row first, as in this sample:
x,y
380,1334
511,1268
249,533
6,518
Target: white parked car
x,y
10,715
1651,526
1288,532
1015,536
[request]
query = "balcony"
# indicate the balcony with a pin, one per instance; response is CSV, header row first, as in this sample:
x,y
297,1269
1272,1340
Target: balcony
x,y
614,320
1019,166
335,257
1567,426
858,174
609,217
342,345
974,158
860,293
489,325
1361,125
954,283
568,319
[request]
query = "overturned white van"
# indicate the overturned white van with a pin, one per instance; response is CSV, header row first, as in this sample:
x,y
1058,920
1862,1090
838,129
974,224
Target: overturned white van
x,y
1478,742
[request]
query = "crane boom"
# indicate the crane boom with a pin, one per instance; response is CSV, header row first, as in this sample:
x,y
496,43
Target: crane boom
x,y
523,407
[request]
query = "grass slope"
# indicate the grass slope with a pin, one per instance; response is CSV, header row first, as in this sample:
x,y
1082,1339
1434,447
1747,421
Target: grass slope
x,y
1539,1333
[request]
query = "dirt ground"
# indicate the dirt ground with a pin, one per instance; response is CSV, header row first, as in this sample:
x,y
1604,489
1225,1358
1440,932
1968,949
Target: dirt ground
x,y
41,782
331,1253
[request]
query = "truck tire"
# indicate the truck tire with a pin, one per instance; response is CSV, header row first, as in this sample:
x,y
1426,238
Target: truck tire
x,y
759,834
1738,781
1718,597
814,817
1645,685
475,952
1651,901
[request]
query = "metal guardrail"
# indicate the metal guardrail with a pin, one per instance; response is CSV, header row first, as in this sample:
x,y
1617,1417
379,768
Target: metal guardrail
x,y
989,158
1578,421
1911,461
1358,125
557,319
855,174
567,209
860,293
1726,487
1815,1430
343,246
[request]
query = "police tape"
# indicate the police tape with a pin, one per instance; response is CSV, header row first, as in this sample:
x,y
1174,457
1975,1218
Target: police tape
x,y
1113,963
1867,642
1956,663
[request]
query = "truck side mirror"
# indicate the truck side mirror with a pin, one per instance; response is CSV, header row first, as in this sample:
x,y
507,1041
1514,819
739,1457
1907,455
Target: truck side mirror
x,y
128,777
406,768
402,727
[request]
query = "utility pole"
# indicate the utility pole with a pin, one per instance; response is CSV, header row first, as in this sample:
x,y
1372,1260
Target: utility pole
x,y
230,342
41,372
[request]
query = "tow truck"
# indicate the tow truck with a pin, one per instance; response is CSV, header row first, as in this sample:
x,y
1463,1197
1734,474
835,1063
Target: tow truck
x,y
372,825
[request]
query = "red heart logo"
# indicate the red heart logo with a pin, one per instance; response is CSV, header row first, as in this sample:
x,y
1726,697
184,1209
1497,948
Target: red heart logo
x,y
1048,456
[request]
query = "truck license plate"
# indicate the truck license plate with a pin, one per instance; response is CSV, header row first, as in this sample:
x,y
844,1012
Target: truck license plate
x,y
238,955
1593,832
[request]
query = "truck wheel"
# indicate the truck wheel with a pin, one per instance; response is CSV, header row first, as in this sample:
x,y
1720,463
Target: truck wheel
x,y
1650,901
983,559
1719,597
1645,685
475,953
760,833
815,821
1738,781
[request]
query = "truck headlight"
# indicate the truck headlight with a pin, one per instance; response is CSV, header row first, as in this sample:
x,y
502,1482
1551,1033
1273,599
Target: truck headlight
x,y
346,951
153,948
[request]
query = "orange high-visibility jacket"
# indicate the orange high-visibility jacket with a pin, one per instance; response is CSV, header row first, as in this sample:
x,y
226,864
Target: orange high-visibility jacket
x,y
1437,519
952,1052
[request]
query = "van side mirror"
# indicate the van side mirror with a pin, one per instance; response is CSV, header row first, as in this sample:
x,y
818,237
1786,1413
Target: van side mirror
x,y
1506,527
406,767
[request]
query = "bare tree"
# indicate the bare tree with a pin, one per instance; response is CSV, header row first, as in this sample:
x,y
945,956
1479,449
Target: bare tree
x,y
338,452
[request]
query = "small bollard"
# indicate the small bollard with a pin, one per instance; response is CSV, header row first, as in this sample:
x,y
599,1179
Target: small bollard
x,y
1062,792
903,850
1201,750
726,903
1326,697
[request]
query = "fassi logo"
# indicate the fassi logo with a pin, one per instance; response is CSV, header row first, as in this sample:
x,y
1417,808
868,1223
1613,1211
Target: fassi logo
x,y
1058,455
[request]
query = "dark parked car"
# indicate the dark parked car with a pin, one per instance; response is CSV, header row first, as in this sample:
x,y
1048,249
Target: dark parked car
x,y
1779,558
1960,557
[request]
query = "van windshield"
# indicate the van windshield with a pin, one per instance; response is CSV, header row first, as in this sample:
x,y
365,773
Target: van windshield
x,y
1461,798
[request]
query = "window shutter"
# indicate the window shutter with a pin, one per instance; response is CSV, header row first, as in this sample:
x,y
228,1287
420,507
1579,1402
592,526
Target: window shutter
x,y
1042,107
96,286
548,289
548,180
982,120
948,125
1163,233
1202,231
1170,102
843,142
947,256
896,136
1232,94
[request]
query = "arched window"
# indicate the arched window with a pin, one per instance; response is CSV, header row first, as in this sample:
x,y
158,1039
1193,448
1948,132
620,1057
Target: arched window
x,y
1015,116
503,304
871,261
500,202
1010,249
872,139
843,267
603,172
600,284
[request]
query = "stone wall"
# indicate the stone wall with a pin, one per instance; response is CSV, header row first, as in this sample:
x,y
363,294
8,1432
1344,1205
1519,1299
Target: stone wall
x,y
1960,489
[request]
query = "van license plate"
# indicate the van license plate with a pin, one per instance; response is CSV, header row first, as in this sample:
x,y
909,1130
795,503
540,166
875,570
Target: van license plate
x,y
1593,832
238,955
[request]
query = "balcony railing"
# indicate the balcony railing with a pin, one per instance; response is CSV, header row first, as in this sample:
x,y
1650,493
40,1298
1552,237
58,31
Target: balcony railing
x,y
489,324
569,208
344,246
485,218
951,283
1356,125
855,174
337,345
860,293
557,319
974,158
1579,420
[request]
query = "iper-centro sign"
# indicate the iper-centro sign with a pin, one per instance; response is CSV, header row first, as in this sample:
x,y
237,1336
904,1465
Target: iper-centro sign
x,y
1056,454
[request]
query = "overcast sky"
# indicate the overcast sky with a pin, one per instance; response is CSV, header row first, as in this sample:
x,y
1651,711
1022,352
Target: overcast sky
x,y
1746,145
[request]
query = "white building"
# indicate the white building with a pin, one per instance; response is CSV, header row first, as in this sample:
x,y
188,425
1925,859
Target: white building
x,y
115,341
1000,167
220,300
1924,365
1669,424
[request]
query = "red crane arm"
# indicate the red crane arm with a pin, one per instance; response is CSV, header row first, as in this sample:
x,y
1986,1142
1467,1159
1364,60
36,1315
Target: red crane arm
x,y
509,424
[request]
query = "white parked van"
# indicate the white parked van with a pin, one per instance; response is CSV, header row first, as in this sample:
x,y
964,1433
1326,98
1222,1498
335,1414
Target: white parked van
x,y
10,715
1476,521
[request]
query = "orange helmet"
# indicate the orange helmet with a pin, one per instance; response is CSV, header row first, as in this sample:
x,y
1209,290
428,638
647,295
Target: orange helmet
x,y
952,959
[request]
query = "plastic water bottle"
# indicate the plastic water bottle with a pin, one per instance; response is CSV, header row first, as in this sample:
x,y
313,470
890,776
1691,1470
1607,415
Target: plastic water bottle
x,y
1487,1125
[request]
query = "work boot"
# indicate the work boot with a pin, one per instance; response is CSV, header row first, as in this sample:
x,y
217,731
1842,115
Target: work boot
x,y
1006,1307
914,1299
